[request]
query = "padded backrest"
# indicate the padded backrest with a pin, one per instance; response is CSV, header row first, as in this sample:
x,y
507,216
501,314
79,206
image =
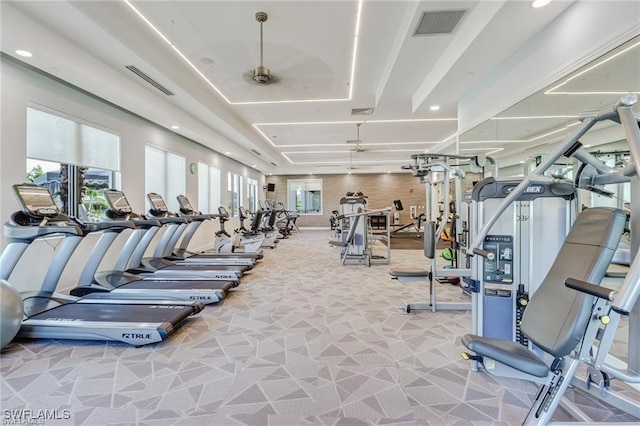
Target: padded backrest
x,y
556,316
272,218
430,240
353,225
255,223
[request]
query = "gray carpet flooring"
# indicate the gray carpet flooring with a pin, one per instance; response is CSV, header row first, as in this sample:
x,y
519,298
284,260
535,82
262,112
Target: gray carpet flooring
x,y
302,341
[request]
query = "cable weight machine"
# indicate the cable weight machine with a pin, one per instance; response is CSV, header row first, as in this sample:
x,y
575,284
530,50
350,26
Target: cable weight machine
x,y
437,171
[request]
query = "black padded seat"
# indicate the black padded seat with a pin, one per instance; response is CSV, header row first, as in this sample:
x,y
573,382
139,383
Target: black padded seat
x,y
507,353
556,316
409,273
338,243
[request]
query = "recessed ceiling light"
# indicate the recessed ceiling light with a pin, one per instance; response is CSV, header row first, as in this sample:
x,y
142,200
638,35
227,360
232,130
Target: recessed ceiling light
x,y
349,173
227,153
388,171
540,3
521,162
310,173
174,127
253,165
587,146
24,53
435,107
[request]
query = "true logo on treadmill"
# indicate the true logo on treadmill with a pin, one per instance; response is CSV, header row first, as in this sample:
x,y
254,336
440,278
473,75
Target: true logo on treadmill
x,y
200,298
136,336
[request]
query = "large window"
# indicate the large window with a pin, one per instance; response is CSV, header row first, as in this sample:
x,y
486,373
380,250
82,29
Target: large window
x,y
165,175
252,194
74,160
208,188
305,196
234,194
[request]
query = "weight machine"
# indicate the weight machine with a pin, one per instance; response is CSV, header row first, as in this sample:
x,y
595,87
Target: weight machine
x,y
354,235
586,321
523,244
436,171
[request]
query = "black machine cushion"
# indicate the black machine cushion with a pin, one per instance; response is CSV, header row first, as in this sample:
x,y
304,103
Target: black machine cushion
x,y
556,317
409,273
508,353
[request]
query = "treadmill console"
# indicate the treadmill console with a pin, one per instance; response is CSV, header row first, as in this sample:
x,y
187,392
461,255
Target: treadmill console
x,y
185,205
223,212
36,201
38,215
118,203
158,206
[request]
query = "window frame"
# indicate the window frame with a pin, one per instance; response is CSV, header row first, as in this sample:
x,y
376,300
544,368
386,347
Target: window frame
x,y
294,208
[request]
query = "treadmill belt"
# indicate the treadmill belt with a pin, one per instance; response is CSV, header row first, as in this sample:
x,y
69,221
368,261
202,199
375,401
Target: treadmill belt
x,y
79,312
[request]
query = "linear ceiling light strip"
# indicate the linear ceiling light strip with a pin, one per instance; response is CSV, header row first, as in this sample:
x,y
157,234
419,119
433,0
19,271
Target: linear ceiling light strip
x,y
353,62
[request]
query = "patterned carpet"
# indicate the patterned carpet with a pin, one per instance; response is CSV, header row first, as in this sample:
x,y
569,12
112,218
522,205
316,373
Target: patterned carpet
x,y
302,341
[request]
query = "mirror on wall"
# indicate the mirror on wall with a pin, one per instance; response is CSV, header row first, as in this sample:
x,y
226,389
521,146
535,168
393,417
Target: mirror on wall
x,y
521,135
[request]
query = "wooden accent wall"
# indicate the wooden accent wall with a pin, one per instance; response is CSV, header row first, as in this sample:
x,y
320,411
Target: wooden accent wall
x,y
380,189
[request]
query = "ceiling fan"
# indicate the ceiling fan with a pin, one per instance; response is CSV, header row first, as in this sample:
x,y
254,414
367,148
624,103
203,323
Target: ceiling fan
x,y
261,74
351,166
361,165
357,140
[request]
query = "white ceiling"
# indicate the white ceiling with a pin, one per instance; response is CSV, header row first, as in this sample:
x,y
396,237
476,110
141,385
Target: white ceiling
x,y
302,122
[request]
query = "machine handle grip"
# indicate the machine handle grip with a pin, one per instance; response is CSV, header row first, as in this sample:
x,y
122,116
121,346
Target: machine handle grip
x,y
593,290
486,254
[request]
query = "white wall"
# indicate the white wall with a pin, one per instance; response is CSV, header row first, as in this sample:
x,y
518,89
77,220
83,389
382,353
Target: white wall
x,y
22,87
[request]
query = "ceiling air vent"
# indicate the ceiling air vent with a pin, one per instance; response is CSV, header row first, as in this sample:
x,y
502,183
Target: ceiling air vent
x,y
438,22
256,152
149,80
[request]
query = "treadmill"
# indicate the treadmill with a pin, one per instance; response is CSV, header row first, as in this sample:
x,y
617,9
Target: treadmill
x,y
119,284
53,315
186,209
181,254
157,265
